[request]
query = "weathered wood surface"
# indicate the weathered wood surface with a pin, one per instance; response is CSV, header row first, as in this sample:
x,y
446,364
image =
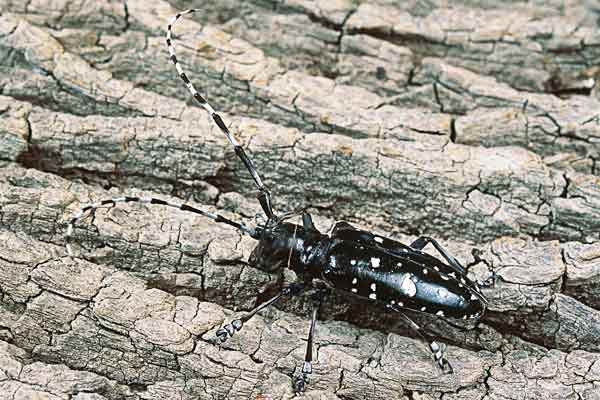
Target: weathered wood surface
x,y
474,122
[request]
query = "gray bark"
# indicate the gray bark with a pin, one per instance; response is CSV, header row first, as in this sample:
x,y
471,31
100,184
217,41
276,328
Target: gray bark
x,y
476,123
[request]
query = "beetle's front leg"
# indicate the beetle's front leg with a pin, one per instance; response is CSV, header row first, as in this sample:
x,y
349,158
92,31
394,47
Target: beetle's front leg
x,y
228,330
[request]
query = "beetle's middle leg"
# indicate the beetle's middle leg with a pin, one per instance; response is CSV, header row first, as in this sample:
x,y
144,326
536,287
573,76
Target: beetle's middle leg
x,y
422,241
236,325
303,379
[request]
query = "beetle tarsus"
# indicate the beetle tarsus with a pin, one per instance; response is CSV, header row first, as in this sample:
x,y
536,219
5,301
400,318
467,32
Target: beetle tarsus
x,y
490,282
446,367
303,379
439,351
227,331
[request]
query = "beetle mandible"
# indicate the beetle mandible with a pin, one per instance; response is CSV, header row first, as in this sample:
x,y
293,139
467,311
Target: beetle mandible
x,y
346,259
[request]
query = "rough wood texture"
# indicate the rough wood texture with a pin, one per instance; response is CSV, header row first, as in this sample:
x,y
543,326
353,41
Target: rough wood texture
x,y
476,122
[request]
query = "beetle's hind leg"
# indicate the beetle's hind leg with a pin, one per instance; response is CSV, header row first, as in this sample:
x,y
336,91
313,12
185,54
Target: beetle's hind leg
x,y
438,350
490,282
228,330
422,241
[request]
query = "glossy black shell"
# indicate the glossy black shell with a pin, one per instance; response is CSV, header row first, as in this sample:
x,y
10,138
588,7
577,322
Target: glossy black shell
x,y
410,279
372,267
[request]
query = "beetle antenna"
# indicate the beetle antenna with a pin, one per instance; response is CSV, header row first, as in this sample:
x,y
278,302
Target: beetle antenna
x,y
264,196
254,233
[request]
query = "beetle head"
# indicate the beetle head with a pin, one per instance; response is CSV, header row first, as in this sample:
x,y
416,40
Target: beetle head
x,y
276,245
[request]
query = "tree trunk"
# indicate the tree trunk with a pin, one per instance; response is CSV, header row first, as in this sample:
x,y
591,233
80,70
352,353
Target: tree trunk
x,y
476,123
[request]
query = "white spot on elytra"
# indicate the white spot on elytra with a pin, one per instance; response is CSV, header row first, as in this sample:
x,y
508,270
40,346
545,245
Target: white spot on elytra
x,y
401,304
354,281
399,264
425,272
354,290
393,302
407,286
375,262
423,308
373,287
378,239
437,269
373,296
440,313
352,262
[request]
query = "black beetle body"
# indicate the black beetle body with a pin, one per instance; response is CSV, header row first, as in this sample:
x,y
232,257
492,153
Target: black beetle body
x,y
372,267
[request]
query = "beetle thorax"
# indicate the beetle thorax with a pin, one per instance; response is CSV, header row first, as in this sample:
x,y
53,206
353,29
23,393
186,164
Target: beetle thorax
x,y
286,246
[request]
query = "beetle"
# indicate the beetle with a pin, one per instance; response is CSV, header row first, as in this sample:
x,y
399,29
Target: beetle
x,y
346,259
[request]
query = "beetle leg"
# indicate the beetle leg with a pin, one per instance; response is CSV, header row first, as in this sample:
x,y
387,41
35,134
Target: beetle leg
x,y
489,282
228,330
422,241
303,379
437,349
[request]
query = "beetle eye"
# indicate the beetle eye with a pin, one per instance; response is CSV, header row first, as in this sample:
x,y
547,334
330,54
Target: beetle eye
x,y
265,257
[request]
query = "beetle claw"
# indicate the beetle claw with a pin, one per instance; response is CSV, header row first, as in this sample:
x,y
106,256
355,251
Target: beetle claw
x,y
300,384
490,282
446,367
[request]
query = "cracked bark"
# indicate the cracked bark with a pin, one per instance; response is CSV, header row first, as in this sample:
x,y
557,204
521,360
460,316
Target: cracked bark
x,y
475,123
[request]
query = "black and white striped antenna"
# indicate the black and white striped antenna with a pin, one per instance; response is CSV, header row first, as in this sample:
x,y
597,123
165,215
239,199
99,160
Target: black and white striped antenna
x,y
264,195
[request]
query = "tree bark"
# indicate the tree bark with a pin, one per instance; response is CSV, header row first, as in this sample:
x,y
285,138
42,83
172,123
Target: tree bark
x,y
476,123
